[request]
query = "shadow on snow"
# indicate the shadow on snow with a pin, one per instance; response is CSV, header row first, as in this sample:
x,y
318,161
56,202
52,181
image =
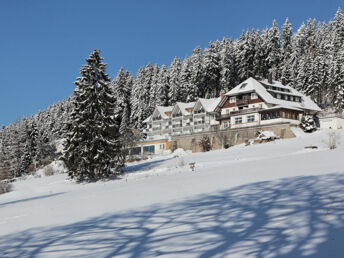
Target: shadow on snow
x,y
292,217
29,199
145,165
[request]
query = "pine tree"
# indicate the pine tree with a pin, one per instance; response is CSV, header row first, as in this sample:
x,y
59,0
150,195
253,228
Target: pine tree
x,y
162,87
154,88
286,52
174,94
197,73
212,70
187,91
92,143
227,64
274,54
245,57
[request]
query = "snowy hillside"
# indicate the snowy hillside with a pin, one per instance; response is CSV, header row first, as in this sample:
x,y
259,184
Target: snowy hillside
x,y
270,200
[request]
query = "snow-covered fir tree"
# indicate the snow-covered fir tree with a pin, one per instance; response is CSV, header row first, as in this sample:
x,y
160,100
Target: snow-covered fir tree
x,y
92,143
162,87
174,93
186,88
197,73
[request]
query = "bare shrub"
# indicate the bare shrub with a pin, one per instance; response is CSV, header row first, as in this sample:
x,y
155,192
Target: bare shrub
x,y
4,173
48,171
181,162
333,140
5,187
205,143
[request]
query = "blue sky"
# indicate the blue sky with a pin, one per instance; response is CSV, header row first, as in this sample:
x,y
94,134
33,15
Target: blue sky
x,y
44,43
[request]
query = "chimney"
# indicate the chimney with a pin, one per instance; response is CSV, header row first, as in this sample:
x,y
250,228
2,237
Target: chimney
x,y
270,78
222,95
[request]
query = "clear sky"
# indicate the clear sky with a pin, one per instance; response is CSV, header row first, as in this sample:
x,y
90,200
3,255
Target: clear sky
x,y
44,43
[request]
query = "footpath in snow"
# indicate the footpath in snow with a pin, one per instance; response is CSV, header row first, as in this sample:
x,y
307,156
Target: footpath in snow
x,y
275,199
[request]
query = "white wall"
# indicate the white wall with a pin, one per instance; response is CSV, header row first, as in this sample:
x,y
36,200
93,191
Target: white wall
x,y
332,122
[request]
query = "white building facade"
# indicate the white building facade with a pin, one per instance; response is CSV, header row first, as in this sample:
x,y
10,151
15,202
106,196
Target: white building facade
x,y
251,103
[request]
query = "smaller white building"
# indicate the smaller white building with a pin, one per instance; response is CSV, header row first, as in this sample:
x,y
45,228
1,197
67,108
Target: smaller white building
x,y
331,121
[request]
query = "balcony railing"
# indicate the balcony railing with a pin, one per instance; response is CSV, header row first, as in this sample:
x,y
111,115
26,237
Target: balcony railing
x,y
222,117
242,102
245,111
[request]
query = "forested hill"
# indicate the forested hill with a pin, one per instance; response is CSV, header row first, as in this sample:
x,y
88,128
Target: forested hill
x,y
311,59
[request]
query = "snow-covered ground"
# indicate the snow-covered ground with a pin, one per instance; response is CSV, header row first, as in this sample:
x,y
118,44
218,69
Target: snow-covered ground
x,y
275,199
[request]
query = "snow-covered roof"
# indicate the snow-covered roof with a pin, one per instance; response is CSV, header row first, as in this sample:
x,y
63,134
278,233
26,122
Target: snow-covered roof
x,y
252,85
147,119
209,105
164,111
185,108
281,107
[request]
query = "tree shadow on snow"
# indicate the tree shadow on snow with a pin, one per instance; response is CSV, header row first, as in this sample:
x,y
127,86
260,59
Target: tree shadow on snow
x,y
30,199
292,217
145,165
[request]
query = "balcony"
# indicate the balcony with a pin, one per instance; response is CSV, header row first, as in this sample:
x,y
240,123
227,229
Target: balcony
x,y
240,102
222,117
245,111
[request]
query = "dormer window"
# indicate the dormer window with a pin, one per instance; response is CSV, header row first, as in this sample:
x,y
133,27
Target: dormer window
x,y
242,86
254,95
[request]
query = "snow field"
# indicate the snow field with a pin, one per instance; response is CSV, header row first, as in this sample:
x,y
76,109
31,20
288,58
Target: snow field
x,y
276,199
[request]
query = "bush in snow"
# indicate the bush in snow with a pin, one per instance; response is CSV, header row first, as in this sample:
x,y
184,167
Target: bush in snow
x,y
4,173
48,171
5,187
205,143
333,140
307,124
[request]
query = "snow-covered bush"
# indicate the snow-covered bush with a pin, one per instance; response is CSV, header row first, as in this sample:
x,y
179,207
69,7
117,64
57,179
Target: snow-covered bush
x,y
181,162
265,136
308,124
205,143
5,187
48,171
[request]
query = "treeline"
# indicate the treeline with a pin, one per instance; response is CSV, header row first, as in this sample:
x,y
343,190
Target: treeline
x,y
310,60
30,143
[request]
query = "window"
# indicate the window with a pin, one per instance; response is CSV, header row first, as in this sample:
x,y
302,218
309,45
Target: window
x,y
278,96
277,114
232,99
227,111
250,118
260,105
238,120
254,95
150,125
242,86
226,125
245,97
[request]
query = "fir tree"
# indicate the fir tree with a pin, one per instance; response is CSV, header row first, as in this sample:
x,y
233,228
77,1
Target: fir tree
x,y
162,87
212,70
197,73
174,94
187,91
92,142
274,54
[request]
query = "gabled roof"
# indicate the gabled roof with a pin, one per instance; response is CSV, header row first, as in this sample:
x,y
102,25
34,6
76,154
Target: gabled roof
x,y
147,119
164,111
185,108
209,105
252,84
